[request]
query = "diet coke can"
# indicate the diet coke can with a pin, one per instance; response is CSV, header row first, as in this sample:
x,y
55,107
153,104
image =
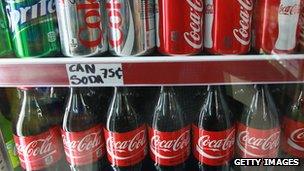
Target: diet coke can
x,y
82,26
228,31
179,26
131,27
275,26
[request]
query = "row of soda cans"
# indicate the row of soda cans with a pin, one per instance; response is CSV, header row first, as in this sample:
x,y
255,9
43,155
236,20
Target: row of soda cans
x,y
37,28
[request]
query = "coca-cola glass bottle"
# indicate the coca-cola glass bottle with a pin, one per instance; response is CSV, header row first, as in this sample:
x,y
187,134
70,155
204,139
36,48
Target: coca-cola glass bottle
x,y
125,134
169,133
82,133
292,141
214,133
52,100
258,129
38,143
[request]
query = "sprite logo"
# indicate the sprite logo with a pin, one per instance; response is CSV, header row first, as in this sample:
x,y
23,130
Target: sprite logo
x,y
19,14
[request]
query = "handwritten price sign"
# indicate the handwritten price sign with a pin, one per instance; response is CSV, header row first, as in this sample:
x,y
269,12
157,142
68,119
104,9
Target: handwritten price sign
x,y
95,74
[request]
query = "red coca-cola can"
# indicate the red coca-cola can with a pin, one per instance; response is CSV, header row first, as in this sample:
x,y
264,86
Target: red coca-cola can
x,y
301,29
228,26
179,26
276,26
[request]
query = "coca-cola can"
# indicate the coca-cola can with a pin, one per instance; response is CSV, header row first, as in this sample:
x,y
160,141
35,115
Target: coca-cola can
x,y
82,26
131,27
301,28
179,26
276,26
228,26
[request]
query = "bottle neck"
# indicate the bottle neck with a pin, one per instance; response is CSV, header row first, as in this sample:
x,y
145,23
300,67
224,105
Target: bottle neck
x,y
167,103
297,107
30,104
121,116
31,119
120,104
213,100
215,106
262,108
77,103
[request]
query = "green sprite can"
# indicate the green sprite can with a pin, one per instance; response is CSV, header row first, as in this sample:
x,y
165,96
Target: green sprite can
x,y
33,27
6,49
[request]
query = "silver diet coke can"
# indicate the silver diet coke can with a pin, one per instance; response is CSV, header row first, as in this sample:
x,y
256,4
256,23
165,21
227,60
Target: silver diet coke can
x,y
131,26
82,27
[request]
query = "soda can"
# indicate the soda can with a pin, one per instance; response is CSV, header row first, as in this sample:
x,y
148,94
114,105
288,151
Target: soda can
x,y
131,27
228,26
82,27
179,26
301,29
6,49
275,26
33,27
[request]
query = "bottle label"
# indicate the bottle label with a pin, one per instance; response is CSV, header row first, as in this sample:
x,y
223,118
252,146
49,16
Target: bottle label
x,y
293,137
12,153
39,151
84,147
126,149
257,143
169,148
213,148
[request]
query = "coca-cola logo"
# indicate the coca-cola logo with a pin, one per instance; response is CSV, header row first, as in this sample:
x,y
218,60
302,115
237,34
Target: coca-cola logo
x,y
115,22
194,36
205,142
293,137
178,144
40,147
87,143
92,19
296,139
126,146
242,34
262,144
297,135
290,9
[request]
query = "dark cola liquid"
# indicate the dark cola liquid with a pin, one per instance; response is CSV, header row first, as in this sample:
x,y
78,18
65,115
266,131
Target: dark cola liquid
x,y
52,100
79,116
261,114
99,98
190,99
294,110
215,115
168,117
122,118
31,121
144,100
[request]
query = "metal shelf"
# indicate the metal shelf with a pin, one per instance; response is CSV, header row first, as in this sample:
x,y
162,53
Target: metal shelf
x,y
160,70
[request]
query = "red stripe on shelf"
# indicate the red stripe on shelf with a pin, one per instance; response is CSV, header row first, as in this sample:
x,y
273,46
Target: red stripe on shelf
x,y
213,72
33,74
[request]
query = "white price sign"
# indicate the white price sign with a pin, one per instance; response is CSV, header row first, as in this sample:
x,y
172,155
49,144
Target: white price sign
x,y
95,74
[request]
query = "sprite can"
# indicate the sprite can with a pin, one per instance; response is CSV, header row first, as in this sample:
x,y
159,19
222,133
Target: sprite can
x,y
6,49
33,27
